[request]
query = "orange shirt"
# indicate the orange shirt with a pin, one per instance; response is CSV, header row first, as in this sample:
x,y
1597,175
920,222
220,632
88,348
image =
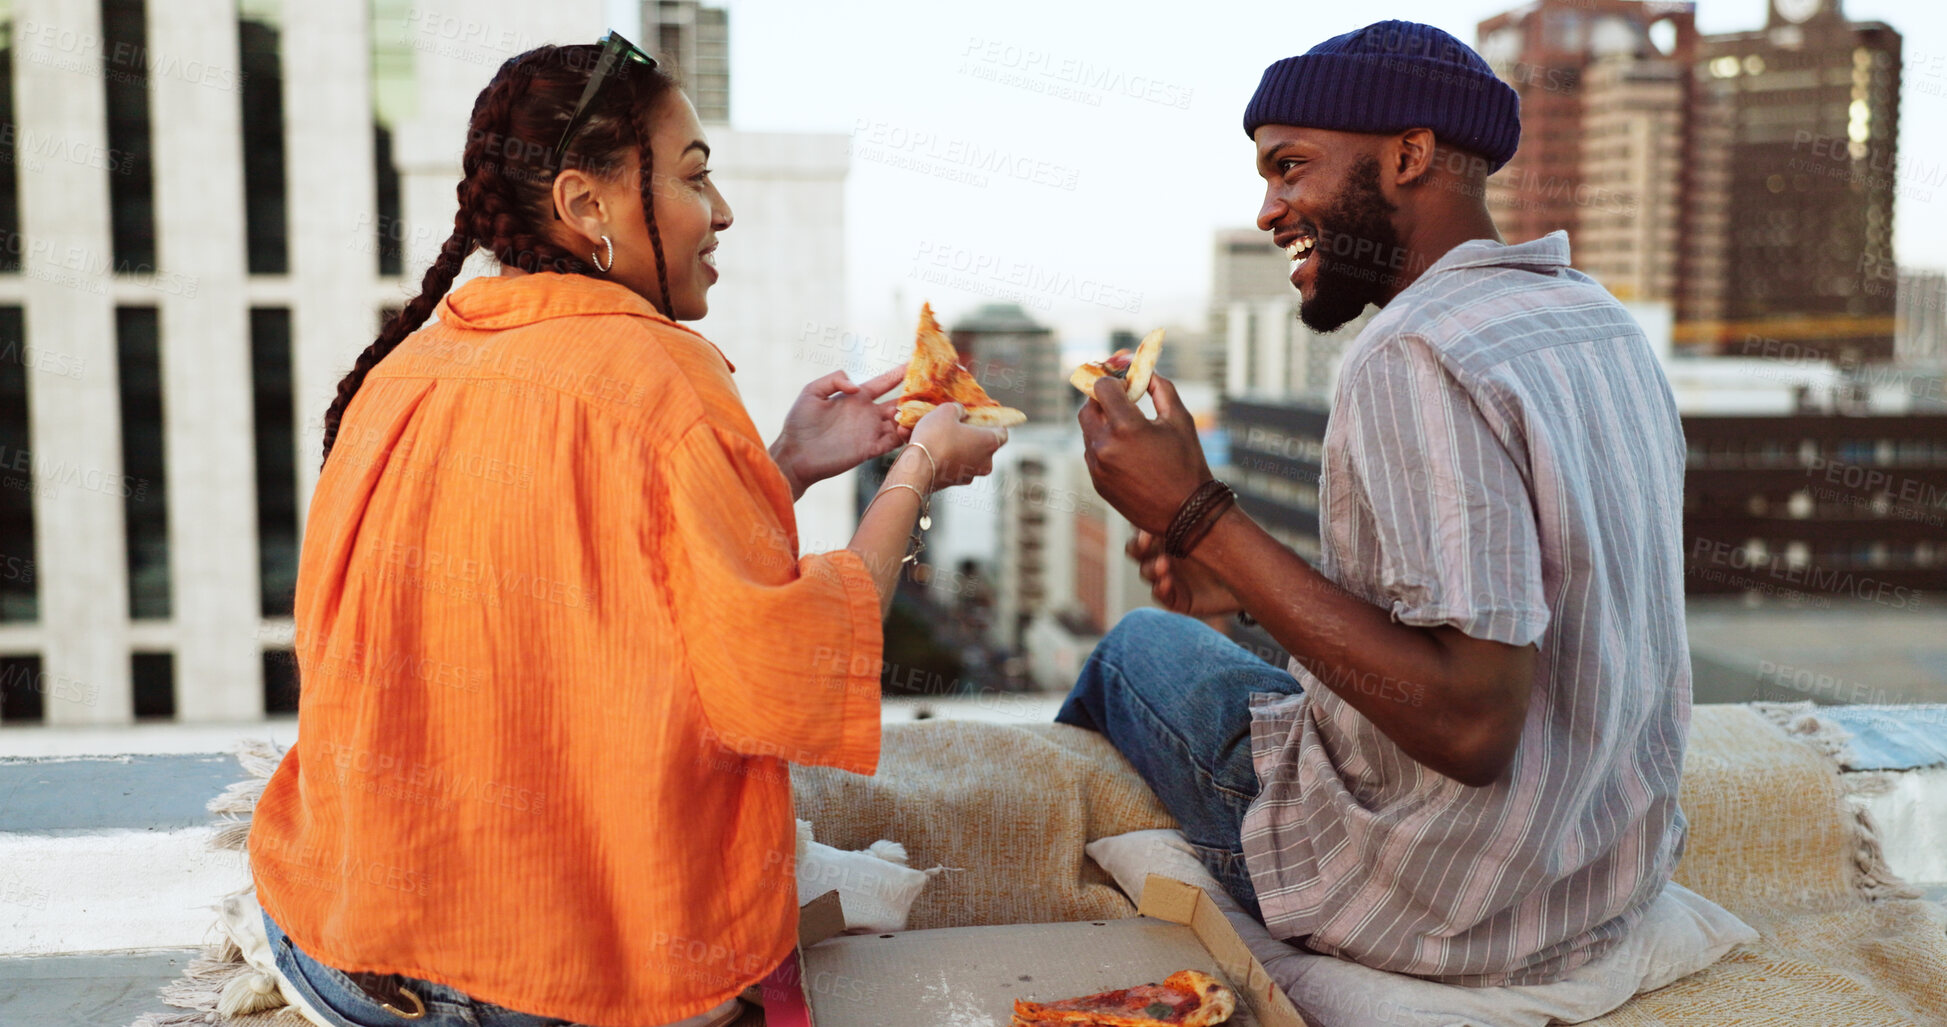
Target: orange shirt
x,y
555,647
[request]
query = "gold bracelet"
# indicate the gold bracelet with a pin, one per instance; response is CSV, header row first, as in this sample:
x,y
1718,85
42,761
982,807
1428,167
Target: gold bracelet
x,y
933,466
917,543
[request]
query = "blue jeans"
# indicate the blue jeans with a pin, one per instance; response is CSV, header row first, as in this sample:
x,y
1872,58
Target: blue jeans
x,y
336,998
1173,696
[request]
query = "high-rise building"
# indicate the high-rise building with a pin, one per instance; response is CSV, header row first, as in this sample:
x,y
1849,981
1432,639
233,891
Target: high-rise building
x,y
1745,178
1630,175
1266,350
1570,119
697,40
1015,359
1920,317
192,264
1244,266
1793,236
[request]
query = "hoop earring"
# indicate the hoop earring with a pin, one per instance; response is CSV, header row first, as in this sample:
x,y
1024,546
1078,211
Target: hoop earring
x,y
611,257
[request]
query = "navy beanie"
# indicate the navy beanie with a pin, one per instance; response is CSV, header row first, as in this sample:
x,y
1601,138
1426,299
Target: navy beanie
x,y
1388,77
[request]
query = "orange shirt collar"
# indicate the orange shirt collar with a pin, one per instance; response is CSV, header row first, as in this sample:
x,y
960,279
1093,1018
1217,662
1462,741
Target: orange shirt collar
x,y
491,303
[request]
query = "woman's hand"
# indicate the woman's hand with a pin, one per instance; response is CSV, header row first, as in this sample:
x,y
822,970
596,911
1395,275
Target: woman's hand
x,y
961,452
836,425
1182,586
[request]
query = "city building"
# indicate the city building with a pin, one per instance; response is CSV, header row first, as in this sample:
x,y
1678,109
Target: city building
x,y
1793,235
1628,198
1015,359
1267,350
697,40
1244,267
1583,144
174,321
1798,507
1803,479
1920,317
1748,178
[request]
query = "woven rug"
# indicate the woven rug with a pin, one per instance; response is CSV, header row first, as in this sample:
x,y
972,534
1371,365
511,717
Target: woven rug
x,y
1774,838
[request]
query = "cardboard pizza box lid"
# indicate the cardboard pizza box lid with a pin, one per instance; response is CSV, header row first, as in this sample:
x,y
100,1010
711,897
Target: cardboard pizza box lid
x,y
970,976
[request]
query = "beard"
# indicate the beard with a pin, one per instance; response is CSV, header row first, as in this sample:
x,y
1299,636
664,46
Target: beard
x,y
1356,250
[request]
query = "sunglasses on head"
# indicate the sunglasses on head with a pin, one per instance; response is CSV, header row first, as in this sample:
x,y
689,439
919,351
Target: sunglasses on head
x,y
616,54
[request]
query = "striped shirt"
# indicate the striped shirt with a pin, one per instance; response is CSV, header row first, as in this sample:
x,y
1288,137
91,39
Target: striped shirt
x,y
1504,456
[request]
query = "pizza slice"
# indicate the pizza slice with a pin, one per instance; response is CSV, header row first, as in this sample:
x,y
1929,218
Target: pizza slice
x,y
1134,368
935,377
1186,998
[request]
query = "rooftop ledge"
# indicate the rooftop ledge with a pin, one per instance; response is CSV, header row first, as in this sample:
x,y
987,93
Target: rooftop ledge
x,y
106,877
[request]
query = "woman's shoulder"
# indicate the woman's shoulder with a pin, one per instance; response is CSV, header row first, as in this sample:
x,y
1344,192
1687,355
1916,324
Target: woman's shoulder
x,y
596,342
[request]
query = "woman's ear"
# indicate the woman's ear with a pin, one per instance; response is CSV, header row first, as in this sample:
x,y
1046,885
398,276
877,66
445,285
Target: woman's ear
x,y
578,204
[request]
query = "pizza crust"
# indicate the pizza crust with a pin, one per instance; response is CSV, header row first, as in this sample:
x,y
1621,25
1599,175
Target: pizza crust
x,y
1142,367
996,416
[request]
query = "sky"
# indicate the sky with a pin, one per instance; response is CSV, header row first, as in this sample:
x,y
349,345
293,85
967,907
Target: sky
x,y
1083,153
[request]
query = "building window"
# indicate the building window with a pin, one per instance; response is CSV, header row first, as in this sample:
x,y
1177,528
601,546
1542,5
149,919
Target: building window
x,y
395,101
131,192
280,681
19,594
274,417
263,138
139,368
154,676
10,241
22,691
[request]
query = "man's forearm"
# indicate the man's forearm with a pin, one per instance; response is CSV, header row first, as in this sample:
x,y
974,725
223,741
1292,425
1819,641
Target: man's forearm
x,y
1407,680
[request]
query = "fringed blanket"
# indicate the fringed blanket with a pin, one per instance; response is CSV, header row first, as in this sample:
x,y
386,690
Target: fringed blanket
x,y
1773,838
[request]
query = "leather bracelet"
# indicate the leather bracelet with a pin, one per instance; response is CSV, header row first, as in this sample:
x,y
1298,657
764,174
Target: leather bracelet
x,y
1191,508
1211,516
1187,517
1193,513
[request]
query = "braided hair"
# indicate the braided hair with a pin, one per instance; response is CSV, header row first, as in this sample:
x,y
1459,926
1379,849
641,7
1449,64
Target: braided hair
x,y
507,178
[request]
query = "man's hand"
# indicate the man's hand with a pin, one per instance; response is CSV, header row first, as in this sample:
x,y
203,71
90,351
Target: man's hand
x,y
1143,468
1182,586
836,425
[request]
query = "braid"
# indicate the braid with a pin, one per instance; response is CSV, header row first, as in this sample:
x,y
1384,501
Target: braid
x,y
502,203
640,122
439,278
505,183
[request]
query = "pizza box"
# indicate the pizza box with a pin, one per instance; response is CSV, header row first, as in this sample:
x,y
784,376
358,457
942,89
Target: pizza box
x,y
970,976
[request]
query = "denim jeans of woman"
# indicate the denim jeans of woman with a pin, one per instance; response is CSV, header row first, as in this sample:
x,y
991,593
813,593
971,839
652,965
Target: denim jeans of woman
x,y
333,994
1173,696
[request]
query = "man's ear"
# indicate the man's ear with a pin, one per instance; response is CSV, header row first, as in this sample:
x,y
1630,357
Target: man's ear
x,y
579,205
1412,156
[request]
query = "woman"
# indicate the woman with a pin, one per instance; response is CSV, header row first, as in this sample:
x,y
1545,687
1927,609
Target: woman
x,y
555,641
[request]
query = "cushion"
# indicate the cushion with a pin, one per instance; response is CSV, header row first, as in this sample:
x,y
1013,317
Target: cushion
x,y
1680,934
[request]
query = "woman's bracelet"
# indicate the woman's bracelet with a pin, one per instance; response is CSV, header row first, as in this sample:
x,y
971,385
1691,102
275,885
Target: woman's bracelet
x,y
933,468
917,543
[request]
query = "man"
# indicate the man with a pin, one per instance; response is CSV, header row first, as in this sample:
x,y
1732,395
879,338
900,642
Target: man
x,y
1470,773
